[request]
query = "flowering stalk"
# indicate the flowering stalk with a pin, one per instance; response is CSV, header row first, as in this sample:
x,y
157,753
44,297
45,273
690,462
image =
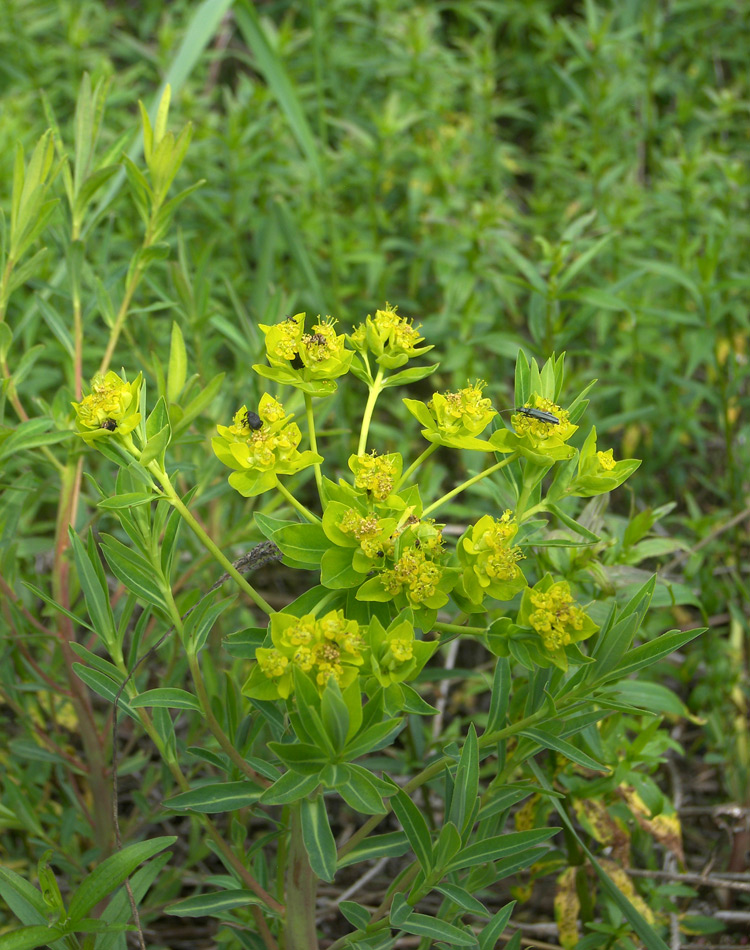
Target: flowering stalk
x,y
297,505
468,483
174,499
375,389
313,443
420,460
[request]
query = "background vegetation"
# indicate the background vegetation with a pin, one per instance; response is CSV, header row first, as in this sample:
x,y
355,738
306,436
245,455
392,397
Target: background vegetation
x,y
542,175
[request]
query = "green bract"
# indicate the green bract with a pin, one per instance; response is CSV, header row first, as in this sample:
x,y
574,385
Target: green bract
x,y
111,408
597,471
259,455
490,560
307,361
395,653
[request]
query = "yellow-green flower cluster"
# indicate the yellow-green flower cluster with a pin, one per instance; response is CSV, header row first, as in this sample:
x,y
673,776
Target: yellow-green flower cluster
x,y
455,418
330,647
110,409
376,474
553,623
464,411
490,559
416,576
539,441
321,351
259,455
309,360
556,617
392,338
333,647
368,531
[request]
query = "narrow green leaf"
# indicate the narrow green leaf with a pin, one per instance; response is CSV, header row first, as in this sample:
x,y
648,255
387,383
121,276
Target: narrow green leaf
x,y
318,838
357,915
95,594
177,372
166,696
466,782
424,926
289,788
111,873
572,523
127,500
272,68
216,797
213,904
465,900
103,686
492,849
649,653
548,741
415,828
489,937
393,844
26,938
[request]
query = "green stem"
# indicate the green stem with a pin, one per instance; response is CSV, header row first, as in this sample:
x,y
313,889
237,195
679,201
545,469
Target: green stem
x,y
375,390
467,484
301,888
432,447
114,333
313,443
458,628
215,727
175,500
305,512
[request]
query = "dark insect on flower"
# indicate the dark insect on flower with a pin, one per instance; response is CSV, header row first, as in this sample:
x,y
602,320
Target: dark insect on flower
x,y
253,420
538,414
109,424
318,338
290,320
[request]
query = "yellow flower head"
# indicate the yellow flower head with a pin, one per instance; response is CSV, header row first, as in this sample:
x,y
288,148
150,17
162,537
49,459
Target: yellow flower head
x,y
111,408
556,617
376,474
464,412
304,356
331,646
606,460
392,338
321,343
490,558
259,449
413,574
